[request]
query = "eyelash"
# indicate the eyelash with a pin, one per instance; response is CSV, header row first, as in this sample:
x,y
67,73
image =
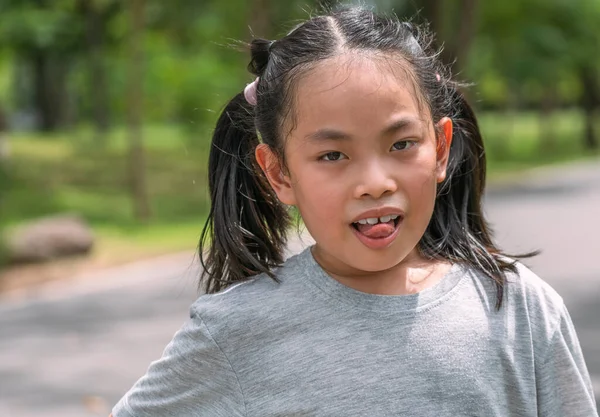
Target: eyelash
x,y
323,157
411,142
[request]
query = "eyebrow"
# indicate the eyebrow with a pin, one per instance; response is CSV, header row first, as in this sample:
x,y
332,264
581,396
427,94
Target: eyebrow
x,y
333,134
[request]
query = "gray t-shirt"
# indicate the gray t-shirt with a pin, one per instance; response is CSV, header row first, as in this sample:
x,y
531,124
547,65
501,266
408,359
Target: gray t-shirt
x,y
310,346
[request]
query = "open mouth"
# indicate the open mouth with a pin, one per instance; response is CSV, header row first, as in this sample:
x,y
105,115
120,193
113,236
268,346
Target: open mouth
x,y
377,232
378,227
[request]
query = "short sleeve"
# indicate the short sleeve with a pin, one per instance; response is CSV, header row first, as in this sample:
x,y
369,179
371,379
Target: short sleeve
x,y
564,387
192,378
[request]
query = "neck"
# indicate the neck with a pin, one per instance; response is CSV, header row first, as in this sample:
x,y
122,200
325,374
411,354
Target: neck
x,y
412,275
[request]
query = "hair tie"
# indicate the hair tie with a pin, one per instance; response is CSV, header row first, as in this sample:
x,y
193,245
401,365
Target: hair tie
x,y
250,92
437,76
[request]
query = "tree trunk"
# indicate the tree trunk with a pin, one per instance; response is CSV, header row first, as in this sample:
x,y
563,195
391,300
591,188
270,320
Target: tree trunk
x,y
467,28
590,141
548,104
590,101
431,11
4,143
95,34
136,149
260,19
49,74
456,43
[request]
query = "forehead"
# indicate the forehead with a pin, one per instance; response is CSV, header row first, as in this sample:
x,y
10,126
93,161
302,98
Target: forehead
x,y
353,89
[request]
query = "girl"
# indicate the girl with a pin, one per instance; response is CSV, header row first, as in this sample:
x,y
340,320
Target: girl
x,y
404,306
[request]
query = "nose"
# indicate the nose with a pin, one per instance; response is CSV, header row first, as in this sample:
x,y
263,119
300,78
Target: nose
x,y
374,182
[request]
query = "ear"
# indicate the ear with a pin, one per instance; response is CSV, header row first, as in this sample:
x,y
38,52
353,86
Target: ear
x,y
444,140
271,166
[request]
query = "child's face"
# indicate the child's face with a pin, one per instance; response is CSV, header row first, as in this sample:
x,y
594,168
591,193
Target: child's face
x,y
361,147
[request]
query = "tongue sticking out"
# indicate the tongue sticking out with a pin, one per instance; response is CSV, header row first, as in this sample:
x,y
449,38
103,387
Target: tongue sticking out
x,y
378,230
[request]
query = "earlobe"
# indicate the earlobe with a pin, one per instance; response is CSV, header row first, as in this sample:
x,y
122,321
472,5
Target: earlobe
x,y
444,141
271,167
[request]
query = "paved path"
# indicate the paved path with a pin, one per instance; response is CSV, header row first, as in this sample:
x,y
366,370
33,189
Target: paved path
x,y
73,348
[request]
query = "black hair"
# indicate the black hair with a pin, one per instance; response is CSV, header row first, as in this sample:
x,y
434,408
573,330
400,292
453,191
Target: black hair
x,y
245,233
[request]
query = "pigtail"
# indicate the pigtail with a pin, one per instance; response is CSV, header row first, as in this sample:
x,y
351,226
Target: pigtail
x,y
245,233
466,171
458,230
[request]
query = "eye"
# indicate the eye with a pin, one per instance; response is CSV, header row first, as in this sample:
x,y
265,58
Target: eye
x,y
332,156
403,145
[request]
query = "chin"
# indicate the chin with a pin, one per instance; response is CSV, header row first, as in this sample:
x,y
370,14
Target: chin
x,y
375,262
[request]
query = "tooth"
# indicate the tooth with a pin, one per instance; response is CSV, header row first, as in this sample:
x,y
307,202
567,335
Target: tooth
x,y
372,220
363,221
393,217
385,219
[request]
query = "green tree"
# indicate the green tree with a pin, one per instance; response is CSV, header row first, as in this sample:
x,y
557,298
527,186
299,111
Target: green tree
x,y
44,36
137,164
49,38
535,44
97,15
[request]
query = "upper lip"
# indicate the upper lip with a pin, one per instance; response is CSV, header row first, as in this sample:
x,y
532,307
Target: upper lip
x,y
379,212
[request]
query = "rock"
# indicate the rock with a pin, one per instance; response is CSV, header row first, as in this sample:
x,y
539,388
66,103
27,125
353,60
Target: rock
x,y
49,238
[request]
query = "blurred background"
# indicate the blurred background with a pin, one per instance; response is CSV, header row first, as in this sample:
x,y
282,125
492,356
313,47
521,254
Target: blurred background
x,y
106,112
107,106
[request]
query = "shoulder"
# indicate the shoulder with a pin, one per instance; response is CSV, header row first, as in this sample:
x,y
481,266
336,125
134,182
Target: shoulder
x,y
523,288
251,302
541,300
529,304
531,311
531,300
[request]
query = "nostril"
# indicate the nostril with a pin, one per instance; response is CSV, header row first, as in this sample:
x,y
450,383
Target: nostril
x,y
375,188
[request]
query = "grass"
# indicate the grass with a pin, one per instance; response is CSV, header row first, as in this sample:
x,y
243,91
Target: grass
x,y
117,244
70,173
516,142
73,172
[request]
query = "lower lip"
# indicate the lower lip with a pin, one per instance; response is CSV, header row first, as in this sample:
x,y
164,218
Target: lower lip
x,y
378,243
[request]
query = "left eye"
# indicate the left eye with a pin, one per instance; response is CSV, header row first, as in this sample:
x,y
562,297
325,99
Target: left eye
x,y
403,145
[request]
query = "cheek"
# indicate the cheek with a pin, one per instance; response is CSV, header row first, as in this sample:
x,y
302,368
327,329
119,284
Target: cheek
x,y
420,183
318,200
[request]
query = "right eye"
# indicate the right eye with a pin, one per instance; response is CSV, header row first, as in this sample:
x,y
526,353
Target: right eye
x,y
332,156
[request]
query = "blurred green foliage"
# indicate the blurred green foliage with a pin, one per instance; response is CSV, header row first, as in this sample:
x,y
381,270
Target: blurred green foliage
x,y
64,72
55,173
517,52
